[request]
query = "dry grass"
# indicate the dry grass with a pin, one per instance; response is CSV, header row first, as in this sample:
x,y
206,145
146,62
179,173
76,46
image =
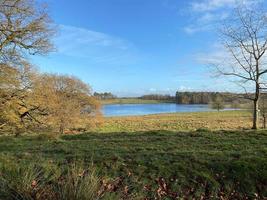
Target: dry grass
x,y
227,120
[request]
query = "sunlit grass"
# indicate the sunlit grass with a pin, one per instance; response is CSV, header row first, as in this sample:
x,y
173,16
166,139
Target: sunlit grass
x,y
195,164
227,120
167,156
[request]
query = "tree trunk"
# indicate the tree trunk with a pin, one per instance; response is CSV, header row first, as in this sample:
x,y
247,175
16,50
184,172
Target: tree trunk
x,y
255,113
256,106
264,122
61,129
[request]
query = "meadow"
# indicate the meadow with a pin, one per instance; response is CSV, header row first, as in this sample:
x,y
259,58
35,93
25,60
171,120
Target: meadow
x,y
163,162
226,120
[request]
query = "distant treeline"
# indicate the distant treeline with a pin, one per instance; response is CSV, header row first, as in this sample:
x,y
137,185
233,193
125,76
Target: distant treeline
x,y
207,97
198,97
158,97
185,97
105,95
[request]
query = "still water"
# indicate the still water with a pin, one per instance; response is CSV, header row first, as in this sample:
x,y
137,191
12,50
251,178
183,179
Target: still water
x,y
145,109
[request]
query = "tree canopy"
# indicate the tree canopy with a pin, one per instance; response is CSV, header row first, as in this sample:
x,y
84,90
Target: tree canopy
x,y
25,28
29,99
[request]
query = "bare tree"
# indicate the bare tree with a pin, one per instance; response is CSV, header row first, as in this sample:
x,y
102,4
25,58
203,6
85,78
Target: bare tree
x,y
25,27
244,37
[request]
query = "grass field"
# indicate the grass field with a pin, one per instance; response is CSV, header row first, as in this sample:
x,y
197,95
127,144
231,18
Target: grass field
x,y
149,163
133,101
226,120
230,164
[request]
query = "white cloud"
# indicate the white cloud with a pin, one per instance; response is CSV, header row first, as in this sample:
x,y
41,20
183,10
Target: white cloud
x,y
207,14
191,30
206,22
152,89
216,54
211,5
212,17
85,36
97,46
183,88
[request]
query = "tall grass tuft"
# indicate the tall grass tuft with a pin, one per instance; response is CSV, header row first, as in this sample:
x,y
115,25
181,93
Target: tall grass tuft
x,y
25,182
78,183
47,182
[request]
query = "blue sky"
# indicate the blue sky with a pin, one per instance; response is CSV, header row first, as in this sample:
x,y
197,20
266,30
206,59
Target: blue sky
x,y
135,47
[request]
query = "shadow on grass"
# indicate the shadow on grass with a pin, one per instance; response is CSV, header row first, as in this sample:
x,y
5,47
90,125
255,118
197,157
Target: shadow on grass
x,y
196,163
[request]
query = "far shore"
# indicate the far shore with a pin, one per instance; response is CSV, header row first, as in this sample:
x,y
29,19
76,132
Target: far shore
x,y
136,100
133,100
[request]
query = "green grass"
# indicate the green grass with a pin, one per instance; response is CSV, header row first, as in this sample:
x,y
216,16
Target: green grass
x,y
133,101
153,164
47,182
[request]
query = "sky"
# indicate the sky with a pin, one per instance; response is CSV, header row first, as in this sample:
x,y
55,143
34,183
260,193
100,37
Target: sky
x,y
137,47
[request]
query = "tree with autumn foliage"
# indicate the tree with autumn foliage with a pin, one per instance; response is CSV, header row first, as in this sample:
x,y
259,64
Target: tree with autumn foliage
x,y
25,28
28,99
68,102
17,103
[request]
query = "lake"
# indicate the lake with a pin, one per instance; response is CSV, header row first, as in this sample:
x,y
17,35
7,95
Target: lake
x,y
146,109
